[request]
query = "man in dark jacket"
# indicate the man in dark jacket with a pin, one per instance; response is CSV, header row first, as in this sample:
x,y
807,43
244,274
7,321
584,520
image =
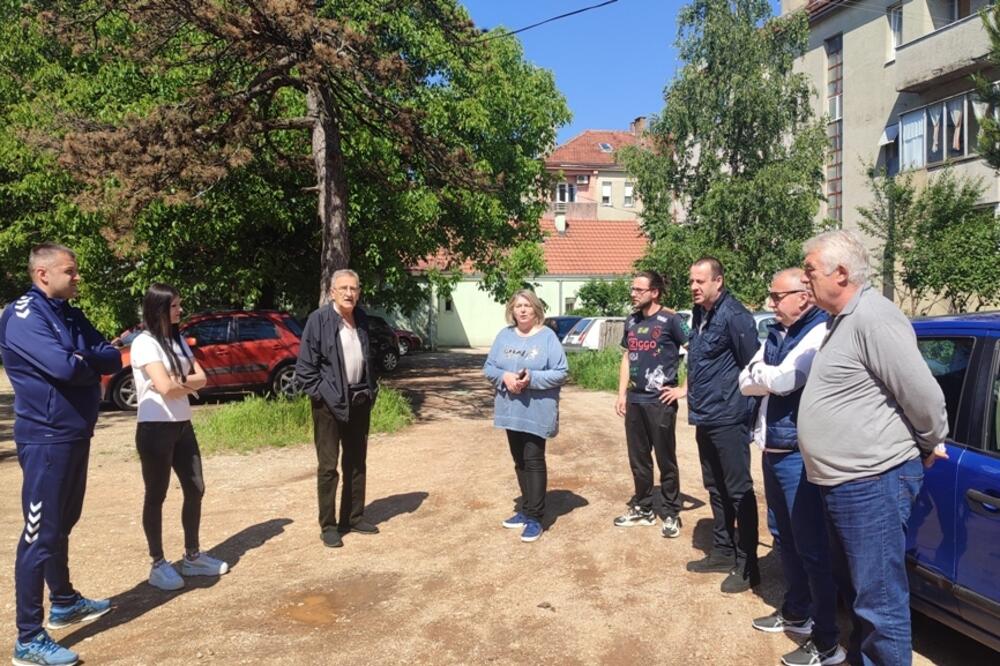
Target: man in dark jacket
x,y
723,339
334,369
54,360
776,375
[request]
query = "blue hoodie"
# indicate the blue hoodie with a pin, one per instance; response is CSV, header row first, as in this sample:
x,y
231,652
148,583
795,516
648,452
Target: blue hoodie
x,y
54,359
536,409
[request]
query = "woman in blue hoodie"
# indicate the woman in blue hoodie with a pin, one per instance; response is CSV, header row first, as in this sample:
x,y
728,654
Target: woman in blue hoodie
x,y
527,365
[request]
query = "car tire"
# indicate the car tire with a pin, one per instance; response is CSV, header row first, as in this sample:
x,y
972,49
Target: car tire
x,y
283,382
404,347
123,393
389,359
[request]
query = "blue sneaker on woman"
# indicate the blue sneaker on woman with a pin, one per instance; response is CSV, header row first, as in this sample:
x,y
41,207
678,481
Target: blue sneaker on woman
x,y
84,610
42,651
514,522
532,530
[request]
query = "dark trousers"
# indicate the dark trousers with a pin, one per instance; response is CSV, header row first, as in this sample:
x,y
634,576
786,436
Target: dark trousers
x,y
52,490
867,521
725,469
795,514
332,435
162,446
650,428
528,452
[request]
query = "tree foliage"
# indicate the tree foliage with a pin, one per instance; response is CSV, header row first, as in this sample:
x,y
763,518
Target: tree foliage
x,y
989,126
245,150
736,145
604,298
936,243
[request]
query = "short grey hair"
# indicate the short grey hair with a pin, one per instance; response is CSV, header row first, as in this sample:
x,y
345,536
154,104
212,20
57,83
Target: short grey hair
x,y
532,298
44,254
794,272
341,273
841,248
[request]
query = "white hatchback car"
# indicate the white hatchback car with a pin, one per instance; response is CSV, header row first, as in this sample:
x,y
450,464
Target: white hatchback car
x,y
586,334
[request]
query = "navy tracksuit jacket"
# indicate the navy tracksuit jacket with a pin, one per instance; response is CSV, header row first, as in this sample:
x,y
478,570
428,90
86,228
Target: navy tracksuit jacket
x,y
54,359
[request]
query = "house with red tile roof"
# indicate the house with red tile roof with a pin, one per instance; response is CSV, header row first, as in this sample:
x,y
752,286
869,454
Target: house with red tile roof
x,y
592,230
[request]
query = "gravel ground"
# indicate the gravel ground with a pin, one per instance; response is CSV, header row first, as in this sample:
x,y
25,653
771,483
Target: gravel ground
x,y
443,583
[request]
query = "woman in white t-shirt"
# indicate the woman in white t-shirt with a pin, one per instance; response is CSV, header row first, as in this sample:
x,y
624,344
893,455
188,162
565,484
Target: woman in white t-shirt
x,y
166,373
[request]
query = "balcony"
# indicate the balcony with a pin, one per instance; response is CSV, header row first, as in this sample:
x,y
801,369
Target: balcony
x,y
951,52
574,211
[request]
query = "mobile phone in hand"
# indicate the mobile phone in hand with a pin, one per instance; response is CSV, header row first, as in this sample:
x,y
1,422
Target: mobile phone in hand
x,y
523,373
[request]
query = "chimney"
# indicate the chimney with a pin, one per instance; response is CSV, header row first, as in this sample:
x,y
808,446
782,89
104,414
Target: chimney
x,y
560,221
638,125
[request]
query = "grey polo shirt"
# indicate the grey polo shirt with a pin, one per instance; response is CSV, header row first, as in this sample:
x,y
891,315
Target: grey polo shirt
x,y
870,402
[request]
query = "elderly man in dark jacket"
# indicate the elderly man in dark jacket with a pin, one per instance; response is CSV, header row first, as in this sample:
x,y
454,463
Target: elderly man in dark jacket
x,y
723,339
335,370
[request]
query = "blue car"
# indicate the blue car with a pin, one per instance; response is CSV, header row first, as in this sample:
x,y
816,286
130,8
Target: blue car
x,y
953,541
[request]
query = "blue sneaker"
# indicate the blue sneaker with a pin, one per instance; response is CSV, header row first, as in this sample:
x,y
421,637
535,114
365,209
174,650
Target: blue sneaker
x,y
84,610
532,530
42,650
515,521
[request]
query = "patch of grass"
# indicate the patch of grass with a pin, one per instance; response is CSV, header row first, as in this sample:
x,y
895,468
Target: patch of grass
x,y
257,422
598,370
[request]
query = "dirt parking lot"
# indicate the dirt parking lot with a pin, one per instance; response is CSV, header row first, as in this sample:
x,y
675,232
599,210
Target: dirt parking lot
x,y
443,583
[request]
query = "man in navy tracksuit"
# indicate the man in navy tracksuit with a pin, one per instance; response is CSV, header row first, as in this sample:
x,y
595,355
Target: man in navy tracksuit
x,y
54,359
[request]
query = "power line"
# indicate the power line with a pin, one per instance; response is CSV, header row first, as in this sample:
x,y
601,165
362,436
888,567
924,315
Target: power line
x,y
548,20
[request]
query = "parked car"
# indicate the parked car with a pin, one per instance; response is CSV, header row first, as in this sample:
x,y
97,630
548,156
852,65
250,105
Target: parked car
x,y
586,333
406,341
562,325
953,540
385,342
240,351
762,321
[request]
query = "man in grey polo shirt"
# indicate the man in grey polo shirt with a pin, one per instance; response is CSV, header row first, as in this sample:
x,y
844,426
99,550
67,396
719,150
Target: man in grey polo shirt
x,y
870,412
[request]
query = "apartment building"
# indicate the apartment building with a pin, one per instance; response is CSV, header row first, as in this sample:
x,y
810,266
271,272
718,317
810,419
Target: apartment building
x,y
591,185
893,80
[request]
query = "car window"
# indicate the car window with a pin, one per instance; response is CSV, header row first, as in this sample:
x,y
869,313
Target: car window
x,y
256,328
210,331
293,325
994,412
762,326
948,360
580,326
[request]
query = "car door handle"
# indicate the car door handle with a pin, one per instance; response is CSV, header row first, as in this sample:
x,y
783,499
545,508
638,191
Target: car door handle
x,y
983,503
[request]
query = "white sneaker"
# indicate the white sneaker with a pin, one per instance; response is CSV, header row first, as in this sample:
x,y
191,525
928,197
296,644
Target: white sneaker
x,y
203,565
165,577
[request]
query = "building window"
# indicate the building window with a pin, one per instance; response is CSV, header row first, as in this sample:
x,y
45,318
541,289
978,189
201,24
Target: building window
x,y
835,127
565,193
895,16
448,305
629,195
568,304
960,9
912,131
605,193
945,130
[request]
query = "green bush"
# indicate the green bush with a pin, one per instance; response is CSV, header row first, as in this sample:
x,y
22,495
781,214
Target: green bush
x,y
257,422
598,370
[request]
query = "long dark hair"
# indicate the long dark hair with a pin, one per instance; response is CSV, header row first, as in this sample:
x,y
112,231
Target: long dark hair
x,y
156,320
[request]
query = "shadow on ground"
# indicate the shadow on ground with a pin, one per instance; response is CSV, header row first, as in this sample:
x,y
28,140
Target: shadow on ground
x,y
142,598
558,503
385,509
454,387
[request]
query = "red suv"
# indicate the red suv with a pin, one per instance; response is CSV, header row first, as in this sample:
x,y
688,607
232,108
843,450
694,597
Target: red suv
x,y
240,351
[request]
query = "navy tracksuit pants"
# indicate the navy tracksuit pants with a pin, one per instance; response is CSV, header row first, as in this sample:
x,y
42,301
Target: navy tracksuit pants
x,y
54,483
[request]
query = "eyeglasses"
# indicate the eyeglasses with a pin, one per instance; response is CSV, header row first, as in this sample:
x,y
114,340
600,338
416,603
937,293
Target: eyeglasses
x,y
639,290
776,296
348,290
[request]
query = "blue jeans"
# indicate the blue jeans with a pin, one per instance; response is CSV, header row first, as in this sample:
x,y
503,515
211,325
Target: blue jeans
x,y
867,522
795,516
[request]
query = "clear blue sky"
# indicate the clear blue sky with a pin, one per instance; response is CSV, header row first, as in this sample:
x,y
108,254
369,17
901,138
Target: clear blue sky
x,y
611,63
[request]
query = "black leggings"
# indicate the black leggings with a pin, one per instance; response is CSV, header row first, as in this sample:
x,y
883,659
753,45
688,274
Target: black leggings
x,y
163,445
528,452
